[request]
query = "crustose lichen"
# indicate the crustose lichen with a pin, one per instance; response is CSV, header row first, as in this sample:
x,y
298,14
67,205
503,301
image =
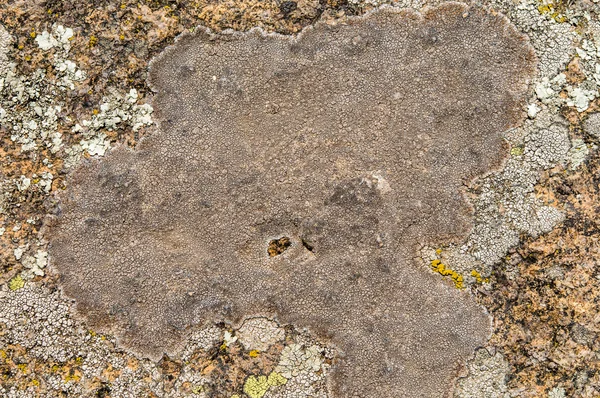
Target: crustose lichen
x,y
352,140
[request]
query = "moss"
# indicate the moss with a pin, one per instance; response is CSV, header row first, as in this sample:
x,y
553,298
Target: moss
x,y
16,283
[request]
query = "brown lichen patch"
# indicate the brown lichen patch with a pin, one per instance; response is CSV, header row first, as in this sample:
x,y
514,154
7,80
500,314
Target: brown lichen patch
x,y
355,137
545,304
113,42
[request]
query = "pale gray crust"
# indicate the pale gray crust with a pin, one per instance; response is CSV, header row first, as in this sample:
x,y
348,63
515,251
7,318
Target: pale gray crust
x,y
355,138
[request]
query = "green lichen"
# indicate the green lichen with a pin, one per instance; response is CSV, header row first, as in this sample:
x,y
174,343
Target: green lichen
x,y
16,283
257,386
516,151
275,379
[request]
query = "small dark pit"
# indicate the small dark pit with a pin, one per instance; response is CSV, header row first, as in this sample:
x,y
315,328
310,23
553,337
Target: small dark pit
x,y
308,246
278,246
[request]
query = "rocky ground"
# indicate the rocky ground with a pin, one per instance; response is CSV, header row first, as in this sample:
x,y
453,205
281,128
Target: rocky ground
x,y
73,85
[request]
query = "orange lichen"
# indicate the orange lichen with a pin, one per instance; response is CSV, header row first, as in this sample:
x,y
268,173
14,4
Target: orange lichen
x,y
442,269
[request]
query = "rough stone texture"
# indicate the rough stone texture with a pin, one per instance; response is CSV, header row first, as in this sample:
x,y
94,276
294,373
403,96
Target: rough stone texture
x,y
545,301
354,141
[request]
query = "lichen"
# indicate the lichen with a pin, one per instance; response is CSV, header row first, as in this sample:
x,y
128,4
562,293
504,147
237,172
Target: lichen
x,y
257,386
326,139
16,283
442,269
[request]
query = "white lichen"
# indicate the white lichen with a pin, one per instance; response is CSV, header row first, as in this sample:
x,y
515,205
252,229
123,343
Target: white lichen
x,y
260,333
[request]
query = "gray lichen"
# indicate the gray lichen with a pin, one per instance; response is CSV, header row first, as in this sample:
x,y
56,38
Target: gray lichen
x,y
486,377
354,141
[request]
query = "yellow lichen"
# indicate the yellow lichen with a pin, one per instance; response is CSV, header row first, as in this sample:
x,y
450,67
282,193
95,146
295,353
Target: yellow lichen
x,y
550,9
93,41
72,377
545,8
440,268
276,379
254,353
478,277
257,386
16,283
516,151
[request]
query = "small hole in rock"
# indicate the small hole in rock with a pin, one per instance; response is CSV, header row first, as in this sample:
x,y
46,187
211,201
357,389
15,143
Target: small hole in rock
x,y
308,246
278,246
